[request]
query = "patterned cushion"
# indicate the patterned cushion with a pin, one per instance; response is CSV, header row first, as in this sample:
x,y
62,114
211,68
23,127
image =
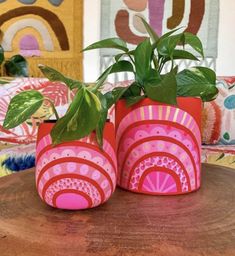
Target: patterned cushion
x,y
17,146
226,102
218,116
26,133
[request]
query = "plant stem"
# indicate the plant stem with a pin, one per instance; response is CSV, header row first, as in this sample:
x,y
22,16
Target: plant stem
x,y
132,60
156,65
53,108
172,64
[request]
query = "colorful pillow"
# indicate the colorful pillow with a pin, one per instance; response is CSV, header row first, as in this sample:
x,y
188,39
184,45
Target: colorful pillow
x,y
17,146
226,102
218,117
26,133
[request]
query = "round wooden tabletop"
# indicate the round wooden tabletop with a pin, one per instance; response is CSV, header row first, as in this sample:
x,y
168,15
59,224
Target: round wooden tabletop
x,y
200,223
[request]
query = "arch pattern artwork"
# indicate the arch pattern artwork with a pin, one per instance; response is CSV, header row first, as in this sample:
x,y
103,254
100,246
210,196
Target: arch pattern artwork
x,y
44,31
158,150
196,16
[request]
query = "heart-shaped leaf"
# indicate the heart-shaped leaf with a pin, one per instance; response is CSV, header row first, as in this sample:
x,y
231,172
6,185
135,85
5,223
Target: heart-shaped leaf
x,y
180,54
16,66
133,90
113,96
194,42
21,107
54,75
80,120
197,82
142,55
115,43
163,90
167,45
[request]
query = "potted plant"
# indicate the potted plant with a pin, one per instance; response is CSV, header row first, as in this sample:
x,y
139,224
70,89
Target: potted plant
x,y
158,118
75,154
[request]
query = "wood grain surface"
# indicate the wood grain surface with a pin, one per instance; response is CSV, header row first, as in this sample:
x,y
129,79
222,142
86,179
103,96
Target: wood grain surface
x,y
201,223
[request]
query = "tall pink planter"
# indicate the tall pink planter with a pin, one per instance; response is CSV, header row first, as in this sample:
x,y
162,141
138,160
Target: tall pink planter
x,y
159,146
75,175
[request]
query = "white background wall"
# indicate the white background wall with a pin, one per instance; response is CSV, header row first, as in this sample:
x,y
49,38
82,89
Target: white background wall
x,y
226,43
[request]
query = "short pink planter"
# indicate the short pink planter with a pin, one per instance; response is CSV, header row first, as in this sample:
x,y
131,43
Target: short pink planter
x,y
75,175
159,146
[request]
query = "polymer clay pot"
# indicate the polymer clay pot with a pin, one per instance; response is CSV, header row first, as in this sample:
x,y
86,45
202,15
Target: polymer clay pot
x,y
75,175
159,146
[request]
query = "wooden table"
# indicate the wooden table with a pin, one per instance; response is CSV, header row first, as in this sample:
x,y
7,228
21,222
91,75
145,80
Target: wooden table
x,y
201,223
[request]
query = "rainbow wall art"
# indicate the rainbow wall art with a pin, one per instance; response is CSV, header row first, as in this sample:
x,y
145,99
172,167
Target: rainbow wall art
x,y
48,32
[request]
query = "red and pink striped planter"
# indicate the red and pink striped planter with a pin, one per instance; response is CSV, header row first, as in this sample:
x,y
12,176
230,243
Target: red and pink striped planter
x,y
159,146
75,175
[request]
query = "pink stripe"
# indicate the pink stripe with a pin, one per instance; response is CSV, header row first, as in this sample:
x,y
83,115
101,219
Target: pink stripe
x,y
156,11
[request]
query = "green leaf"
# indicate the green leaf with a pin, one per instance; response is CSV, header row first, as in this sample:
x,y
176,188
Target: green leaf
x,y
102,120
197,82
163,90
113,96
115,43
142,55
181,54
133,90
16,66
153,35
169,33
166,46
194,42
54,75
130,101
120,55
1,55
80,120
21,107
120,66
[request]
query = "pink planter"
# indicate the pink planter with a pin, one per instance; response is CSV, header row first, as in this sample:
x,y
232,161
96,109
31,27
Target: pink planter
x,y
75,175
159,146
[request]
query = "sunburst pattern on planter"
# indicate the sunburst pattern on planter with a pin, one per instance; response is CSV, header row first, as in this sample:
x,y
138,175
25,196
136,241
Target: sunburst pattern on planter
x,y
158,148
78,174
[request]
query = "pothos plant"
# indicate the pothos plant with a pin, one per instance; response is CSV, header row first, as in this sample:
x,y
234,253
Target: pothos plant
x,y
89,107
87,111
148,64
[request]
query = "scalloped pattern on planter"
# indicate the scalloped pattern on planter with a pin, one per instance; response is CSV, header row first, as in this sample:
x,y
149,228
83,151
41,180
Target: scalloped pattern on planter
x,y
75,175
159,151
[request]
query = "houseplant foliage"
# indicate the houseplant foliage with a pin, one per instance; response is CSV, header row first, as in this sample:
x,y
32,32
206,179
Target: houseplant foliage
x,y
158,120
89,108
15,66
147,62
86,113
72,171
